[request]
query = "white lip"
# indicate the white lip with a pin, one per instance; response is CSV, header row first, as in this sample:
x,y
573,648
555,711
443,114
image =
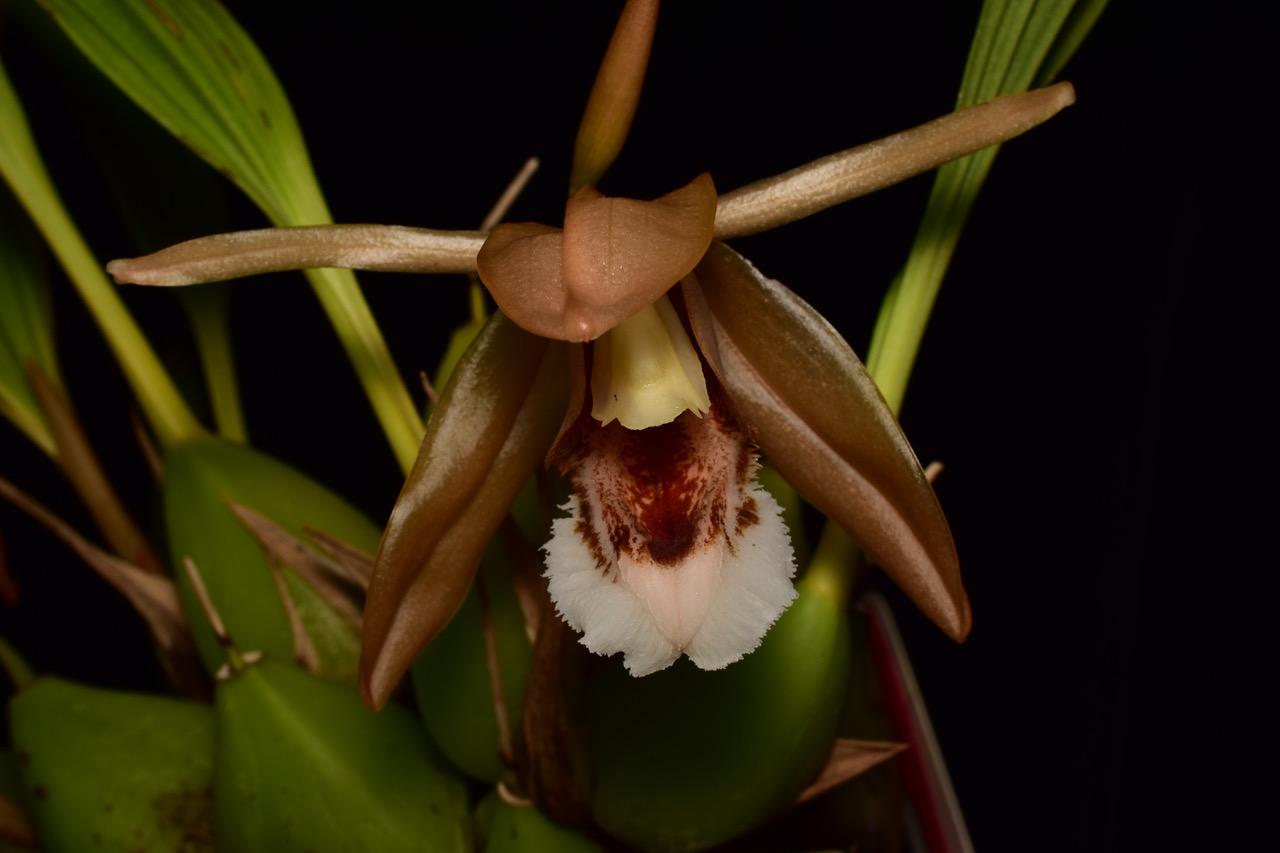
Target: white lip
x,y
714,603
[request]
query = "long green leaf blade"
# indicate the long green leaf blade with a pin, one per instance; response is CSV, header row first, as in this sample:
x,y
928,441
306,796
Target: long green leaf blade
x,y
22,168
26,325
192,68
165,194
1009,48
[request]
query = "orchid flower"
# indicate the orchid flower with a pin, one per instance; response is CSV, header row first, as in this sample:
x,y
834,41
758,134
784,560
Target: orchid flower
x,y
648,361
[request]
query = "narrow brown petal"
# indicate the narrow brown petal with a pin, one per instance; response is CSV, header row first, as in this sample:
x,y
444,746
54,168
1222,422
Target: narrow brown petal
x,y
304,648
388,248
498,212
821,420
520,265
497,417
621,254
857,171
612,105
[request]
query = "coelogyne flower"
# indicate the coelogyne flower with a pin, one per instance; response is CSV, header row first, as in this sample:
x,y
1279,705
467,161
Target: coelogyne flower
x,y
670,547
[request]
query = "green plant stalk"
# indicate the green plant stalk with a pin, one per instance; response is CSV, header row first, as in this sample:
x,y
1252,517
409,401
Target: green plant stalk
x,y
21,166
909,302
1012,40
1077,25
479,312
195,71
835,565
207,310
340,296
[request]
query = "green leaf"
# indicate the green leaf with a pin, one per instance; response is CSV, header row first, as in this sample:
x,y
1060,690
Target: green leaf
x,y
1078,24
201,476
109,770
165,194
190,66
1009,48
193,69
21,167
26,324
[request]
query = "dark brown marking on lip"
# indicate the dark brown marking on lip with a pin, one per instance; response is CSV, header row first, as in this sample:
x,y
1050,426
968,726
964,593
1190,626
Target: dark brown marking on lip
x,y
659,494
665,491
618,524
748,515
587,533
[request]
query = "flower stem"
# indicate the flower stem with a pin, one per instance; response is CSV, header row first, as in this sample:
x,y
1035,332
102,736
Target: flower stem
x,y
835,566
207,309
353,322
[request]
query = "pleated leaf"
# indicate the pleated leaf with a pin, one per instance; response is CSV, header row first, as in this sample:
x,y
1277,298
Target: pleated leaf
x,y
23,170
1011,44
191,67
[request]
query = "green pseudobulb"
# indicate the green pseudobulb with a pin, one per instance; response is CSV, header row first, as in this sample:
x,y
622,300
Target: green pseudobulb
x,y
106,770
302,766
451,677
684,759
201,475
505,828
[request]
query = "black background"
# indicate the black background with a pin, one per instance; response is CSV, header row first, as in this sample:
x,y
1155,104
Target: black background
x,y
1093,376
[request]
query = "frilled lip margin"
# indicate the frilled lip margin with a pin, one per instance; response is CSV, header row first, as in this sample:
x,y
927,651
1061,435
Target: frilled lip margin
x,y
670,546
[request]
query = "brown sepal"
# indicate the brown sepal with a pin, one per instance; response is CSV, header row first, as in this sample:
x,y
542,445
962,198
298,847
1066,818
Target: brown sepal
x,y
820,419
520,265
496,418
